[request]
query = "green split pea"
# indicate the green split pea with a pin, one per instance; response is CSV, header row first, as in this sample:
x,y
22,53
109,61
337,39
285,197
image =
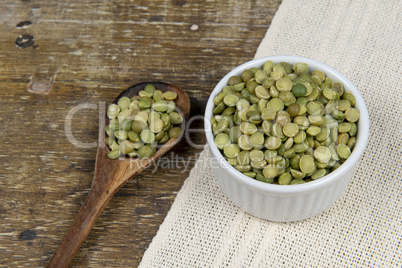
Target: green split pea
x,y
282,124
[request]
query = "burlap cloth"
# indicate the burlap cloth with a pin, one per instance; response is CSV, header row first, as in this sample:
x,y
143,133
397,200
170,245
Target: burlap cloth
x,y
362,39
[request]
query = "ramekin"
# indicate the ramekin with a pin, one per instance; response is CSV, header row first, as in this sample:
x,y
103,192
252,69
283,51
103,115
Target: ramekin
x,y
286,203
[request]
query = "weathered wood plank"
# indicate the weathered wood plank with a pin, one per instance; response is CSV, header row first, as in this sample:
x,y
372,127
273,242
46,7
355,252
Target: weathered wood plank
x,y
87,52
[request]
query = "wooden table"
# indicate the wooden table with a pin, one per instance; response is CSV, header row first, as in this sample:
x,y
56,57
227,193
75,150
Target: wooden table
x,y
60,63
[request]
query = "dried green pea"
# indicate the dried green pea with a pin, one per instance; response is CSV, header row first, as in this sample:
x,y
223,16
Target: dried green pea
x,y
123,115
260,76
160,106
247,75
349,97
158,136
284,178
113,111
261,92
262,104
273,92
133,136
228,111
290,129
276,103
248,128
353,129
243,158
244,142
270,171
114,154
297,174
109,131
126,147
343,138
300,137
293,109
175,118
344,127
314,108
231,150
352,114
317,120
256,155
219,98
243,168
268,113
222,140
287,98
268,65
302,121
301,147
230,100
342,105
234,134
282,118
343,151
274,160
323,134
149,88
294,161
138,125
300,68
284,84
233,80
307,164
219,108
289,153
109,140
277,131
313,130
156,125
123,103
228,90
351,142
258,164
120,134
299,90
250,174
114,146
338,115
145,152
147,136
253,116
257,140
319,74
294,182
133,153
272,143
319,173
261,177
164,139
174,132
141,116
169,95
322,154
157,96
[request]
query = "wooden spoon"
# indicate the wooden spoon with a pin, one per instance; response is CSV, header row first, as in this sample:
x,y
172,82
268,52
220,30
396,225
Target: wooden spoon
x,y
110,175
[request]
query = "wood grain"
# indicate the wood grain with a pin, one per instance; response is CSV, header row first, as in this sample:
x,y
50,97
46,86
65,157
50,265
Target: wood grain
x,y
87,53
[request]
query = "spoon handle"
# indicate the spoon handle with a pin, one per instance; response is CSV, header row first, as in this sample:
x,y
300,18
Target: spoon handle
x,y
82,225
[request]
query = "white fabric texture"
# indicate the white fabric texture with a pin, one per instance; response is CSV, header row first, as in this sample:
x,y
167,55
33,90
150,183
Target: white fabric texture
x,y
362,39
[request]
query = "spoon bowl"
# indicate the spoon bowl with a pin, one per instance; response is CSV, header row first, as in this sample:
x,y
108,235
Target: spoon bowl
x,y
110,175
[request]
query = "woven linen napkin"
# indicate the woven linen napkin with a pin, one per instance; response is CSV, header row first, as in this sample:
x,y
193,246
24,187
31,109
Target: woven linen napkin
x,y
203,228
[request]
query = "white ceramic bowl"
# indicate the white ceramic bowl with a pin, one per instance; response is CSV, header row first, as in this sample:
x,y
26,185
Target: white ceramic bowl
x,y
286,203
